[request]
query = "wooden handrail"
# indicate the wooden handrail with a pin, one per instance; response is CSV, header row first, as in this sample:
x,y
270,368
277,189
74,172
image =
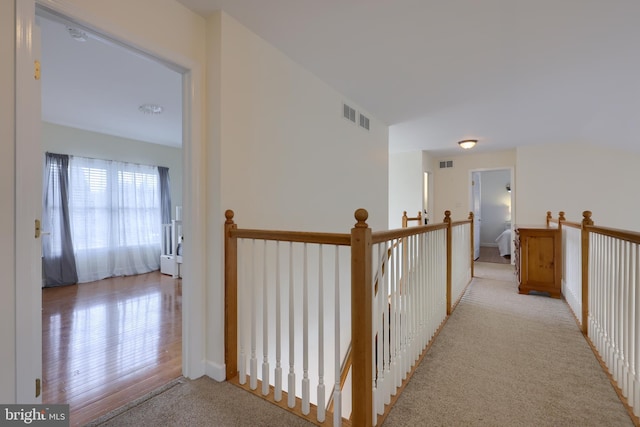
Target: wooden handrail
x,y
358,359
610,288
383,236
293,236
344,374
572,224
629,236
406,219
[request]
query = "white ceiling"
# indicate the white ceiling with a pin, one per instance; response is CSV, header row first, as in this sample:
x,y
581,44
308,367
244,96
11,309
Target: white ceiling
x,y
506,72
97,85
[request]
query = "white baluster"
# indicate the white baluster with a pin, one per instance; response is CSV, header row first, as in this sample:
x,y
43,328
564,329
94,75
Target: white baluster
x,y
242,283
378,318
403,308
393,276
291,391
277,395
391,382
635,400
320,392
337,394
388,275
623,318
305,335
265,325
253,361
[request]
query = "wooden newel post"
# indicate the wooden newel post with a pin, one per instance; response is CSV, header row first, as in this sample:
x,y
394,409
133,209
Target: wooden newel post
x,y
405,220
471,245
561,218
549,218
447,220
230,297
361,328
586,221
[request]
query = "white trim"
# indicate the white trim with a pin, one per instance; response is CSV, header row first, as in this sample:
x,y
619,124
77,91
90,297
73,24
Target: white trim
x,y
216,371
513,195
28,205
194,281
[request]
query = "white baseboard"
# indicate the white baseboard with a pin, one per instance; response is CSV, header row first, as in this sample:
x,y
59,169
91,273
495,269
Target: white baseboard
x,y
216,371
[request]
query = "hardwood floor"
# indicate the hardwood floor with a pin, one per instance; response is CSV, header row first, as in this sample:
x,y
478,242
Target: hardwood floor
x,y
107,343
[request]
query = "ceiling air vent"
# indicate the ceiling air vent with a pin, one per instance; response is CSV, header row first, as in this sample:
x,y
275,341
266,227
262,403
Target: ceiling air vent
x,y
349,113
364,121
446,164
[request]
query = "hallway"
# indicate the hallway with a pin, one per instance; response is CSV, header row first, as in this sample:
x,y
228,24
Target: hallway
x,y
502,359
505,359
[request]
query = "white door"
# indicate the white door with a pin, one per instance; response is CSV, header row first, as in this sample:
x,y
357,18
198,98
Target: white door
x,y
425,199
475,201
28,207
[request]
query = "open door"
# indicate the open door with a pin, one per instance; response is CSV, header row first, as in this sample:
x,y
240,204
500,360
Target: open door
x,y
28,207
475,203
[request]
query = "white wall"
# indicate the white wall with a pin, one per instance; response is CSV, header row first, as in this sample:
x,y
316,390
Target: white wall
x,y
7,193
405,186
280,154
78,142
578,177
290,160
495,205
452,185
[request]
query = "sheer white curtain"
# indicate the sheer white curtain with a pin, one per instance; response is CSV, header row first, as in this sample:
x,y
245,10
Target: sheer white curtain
x,y
115,218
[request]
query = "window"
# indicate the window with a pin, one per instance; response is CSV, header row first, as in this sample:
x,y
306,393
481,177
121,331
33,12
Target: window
x,y
115,217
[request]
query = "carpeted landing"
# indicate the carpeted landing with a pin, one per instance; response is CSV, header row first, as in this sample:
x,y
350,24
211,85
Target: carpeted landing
x,y
502,359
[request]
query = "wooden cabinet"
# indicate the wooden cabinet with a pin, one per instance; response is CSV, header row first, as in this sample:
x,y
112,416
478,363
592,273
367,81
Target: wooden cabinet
x,y
539,260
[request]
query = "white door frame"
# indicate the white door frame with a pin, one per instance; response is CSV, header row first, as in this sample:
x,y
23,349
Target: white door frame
x,y
28,246
511,170
28,352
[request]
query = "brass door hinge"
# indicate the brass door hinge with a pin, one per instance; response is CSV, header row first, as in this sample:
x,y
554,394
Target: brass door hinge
x,y
37,228
36,69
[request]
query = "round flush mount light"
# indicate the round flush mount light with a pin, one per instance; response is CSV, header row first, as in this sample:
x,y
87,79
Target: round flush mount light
x,y
468,143
152,109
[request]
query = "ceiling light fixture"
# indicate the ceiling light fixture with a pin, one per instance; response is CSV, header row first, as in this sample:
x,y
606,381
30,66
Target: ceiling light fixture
x,y
467,143
77,35
152,109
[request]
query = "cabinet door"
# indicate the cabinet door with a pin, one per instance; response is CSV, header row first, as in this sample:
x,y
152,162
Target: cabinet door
x,y
540,254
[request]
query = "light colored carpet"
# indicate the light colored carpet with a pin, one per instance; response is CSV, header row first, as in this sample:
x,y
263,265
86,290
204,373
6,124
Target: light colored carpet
x,y
505,359
502,359
202,403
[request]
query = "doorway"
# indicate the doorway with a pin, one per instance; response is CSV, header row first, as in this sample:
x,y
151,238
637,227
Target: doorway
x,y
492,198
114,339
28,331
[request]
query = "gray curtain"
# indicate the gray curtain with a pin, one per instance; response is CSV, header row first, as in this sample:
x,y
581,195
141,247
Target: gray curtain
x,y
165,194
58,261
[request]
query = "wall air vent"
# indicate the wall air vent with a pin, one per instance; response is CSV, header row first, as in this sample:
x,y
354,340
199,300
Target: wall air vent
x,y
446,164
364,121
349,113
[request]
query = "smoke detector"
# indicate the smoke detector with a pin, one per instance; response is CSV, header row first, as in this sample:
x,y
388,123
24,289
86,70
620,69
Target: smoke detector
x,y
77,34
152,109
